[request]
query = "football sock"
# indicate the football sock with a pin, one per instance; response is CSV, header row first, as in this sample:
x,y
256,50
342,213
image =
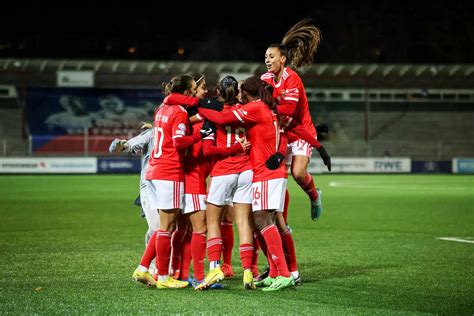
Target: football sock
x,y
246,255
198,252
227,232
163,251
275,249
309,188
150,251
176,246
289,249
185,256
214,249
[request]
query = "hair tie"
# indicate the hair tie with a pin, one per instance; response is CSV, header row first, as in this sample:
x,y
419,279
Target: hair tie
x,y
200,78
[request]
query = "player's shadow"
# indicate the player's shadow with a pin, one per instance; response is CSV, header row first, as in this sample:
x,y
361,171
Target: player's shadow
x,y
328,272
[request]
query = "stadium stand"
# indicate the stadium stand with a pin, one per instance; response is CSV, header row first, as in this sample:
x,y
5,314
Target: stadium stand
x,y
420,111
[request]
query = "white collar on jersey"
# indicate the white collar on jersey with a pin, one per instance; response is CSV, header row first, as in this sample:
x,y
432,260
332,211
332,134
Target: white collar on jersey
x,y
283,76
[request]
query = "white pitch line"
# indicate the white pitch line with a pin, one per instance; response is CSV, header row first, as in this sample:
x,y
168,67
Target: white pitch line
x,y
456,239
388,186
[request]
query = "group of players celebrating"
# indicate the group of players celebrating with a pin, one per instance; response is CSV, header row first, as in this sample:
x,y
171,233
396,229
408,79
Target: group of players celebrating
x,y
244,140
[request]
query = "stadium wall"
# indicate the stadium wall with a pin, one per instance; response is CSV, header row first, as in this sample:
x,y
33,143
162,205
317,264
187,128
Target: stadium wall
x,y
116,165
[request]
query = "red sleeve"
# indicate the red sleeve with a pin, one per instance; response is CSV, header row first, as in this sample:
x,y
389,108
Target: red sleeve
x,y
209,148
301,132
179,99
283,144
288,108
225,117
185,141
180,126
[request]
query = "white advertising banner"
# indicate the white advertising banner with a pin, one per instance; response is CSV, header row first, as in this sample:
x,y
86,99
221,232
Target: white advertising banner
x,y
75,79
463,165
48,165
361,165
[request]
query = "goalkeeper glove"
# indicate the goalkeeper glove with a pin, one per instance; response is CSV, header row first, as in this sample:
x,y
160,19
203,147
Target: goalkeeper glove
x,y
211,104
274,161
118,146
325,156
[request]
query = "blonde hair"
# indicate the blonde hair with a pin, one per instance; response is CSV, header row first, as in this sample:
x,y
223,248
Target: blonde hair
x,y
146,125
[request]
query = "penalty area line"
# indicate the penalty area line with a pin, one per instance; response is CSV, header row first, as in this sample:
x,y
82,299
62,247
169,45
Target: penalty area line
x,y
457,239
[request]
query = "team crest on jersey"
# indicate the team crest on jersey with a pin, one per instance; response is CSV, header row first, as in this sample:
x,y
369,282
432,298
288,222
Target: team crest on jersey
x,y
182,126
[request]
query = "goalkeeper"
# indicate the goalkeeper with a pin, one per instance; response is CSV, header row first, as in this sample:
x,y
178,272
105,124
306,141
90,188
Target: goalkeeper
x,y
143,143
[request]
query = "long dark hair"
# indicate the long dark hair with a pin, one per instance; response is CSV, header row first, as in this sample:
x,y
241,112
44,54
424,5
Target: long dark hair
x,y
258,88
178,84
300,43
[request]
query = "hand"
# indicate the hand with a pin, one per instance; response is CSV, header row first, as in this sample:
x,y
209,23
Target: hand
x,y
245,144
322,128
207,129
274,161
325,156
118,145
211,104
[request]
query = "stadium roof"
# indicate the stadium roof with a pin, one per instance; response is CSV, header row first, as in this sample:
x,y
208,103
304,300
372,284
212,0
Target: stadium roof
x,y
123,73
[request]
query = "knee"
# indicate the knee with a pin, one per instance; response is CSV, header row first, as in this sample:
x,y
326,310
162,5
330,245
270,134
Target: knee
x,y
261,221
167,226
200,228
299,174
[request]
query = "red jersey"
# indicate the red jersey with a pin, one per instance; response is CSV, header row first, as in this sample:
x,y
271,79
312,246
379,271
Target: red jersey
x,y
196,167
290,89
226,136
166,162
263,132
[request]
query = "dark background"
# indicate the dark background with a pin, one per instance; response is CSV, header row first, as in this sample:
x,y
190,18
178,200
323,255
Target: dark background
x,y
353,32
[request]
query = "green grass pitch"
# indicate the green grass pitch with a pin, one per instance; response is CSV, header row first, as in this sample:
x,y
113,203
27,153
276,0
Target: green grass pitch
x,y
69,244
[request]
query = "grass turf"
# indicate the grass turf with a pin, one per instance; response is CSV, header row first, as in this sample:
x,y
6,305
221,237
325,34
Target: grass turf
x,y
69,244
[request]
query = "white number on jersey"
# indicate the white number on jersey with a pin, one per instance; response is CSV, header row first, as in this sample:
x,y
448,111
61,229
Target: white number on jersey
x,y
236,133
157,151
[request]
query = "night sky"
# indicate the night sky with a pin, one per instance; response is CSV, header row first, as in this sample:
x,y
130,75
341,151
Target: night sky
x,y
356,32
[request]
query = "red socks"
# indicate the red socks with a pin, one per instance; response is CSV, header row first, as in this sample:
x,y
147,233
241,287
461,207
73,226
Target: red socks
x,y
198,252
289,249
275,249
227,233
150,251
246,255
309,188
163,251
176,243
214,249
185,256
